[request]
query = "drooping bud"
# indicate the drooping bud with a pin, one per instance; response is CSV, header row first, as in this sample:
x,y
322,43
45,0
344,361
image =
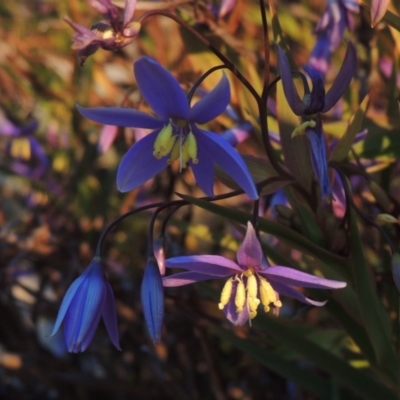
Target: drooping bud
x,y
152,296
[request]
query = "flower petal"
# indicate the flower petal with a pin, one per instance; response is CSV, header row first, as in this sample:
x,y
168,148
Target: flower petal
x,y
250,254
378,10
139,164
342,81
107,137
160,89
121,117
129,9
203,170
291,276
230,312
184,278
152,297
295,294
109,315
292,97
212,104
215,266
229,160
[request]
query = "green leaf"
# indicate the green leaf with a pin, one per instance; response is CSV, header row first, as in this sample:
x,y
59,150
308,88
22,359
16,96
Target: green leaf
x,y
372,311
316,385
356,380
342,149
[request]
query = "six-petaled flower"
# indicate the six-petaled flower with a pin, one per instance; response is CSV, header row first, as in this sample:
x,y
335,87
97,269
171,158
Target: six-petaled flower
x,y
251,280
108,34
176,135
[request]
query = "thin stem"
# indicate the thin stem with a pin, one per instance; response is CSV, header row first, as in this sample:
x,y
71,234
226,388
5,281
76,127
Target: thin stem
x,y
264,93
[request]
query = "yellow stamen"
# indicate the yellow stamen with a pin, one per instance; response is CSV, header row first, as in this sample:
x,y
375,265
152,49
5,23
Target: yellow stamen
x,y
268,295
21,148
240,297
226,294
164,142
189,151
300,130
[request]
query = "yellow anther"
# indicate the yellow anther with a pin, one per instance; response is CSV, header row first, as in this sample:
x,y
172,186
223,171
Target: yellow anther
x,y
189,151
252,286
253,304
248,273
240,297
164,142
267,294
300,130
226,294
21,148
175,152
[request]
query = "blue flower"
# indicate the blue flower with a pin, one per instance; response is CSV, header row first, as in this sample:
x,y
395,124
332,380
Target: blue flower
x,y
314,102
176,135
88,299
152,296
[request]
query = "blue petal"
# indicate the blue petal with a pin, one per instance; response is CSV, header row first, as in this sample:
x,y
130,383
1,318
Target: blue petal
x,y
317,95
139,164
212,104
229,160
152,297
69,296
292,97
121,117
203,170
110,317
160,89
342,81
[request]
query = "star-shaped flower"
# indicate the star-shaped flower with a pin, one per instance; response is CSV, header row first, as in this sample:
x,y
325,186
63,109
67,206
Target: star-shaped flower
x,y
251,280
314,102
176,135
108,34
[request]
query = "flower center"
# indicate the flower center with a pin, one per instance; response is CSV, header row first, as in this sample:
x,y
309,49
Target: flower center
x,y
176,139
251,288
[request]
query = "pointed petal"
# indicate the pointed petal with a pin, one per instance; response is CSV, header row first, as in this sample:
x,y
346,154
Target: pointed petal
x,y
250,254
121,117
212,104
215,266
292,97
80,346
139,164
109,315
152,297
69,296
378,10
291,276
184,278
129,9
317,95
229,160
342,81
160,89
203,170
107,137
295,294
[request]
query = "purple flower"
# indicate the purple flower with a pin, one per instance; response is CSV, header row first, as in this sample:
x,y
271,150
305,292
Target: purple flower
x,y
336,17
176,135
88,299
109,34
152,296
314,102
250,282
